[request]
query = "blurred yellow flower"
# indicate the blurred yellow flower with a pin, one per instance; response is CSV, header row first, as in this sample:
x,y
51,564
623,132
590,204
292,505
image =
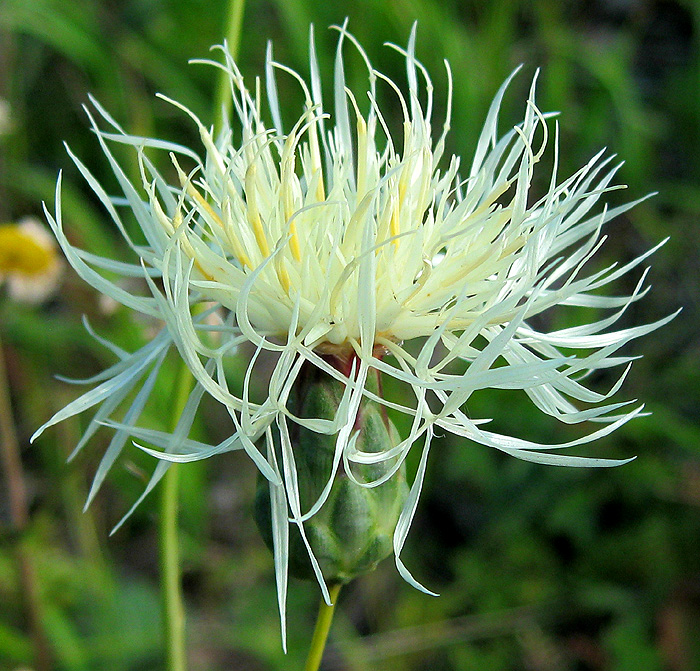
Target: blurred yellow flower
x,y
28,260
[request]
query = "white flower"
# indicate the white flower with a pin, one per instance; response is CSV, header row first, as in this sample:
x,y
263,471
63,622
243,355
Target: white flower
x,y
340,244
28,261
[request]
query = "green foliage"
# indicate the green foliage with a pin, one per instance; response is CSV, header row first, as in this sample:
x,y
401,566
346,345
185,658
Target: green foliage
x,y
538,567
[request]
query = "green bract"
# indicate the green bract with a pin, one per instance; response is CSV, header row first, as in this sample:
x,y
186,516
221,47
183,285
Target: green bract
x,y
354,528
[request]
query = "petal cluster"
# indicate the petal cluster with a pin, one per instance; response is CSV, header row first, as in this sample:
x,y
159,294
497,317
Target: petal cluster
x,y
340,237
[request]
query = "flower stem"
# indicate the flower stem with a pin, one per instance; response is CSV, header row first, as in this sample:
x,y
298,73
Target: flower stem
x,y
173,608
222,103
323,625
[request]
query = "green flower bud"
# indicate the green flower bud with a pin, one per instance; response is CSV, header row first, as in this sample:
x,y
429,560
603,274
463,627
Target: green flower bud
x,y
353,530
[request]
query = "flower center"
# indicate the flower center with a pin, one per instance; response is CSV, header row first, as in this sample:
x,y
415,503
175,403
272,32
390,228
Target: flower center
x,y
20,252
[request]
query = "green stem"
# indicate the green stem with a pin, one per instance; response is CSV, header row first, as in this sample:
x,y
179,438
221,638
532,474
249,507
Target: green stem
x,y
173,608
222,102
323,625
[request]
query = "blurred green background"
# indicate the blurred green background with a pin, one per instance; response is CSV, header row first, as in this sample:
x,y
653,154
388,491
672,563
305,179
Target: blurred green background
x,y
538,567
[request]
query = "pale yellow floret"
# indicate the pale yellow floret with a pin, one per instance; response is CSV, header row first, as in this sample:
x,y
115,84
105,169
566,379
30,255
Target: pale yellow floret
x,y
283,275
231,236
202,203
187,247
288,199
253,212
317,172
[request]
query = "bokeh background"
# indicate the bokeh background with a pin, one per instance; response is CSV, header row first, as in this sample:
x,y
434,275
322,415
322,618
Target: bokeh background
x,y
538,567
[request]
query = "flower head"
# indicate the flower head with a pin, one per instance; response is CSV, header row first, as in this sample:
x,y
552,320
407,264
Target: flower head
x,y
343,245
28,260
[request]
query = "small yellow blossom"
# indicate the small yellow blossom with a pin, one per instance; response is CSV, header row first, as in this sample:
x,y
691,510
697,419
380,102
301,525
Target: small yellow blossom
x,y
28,260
